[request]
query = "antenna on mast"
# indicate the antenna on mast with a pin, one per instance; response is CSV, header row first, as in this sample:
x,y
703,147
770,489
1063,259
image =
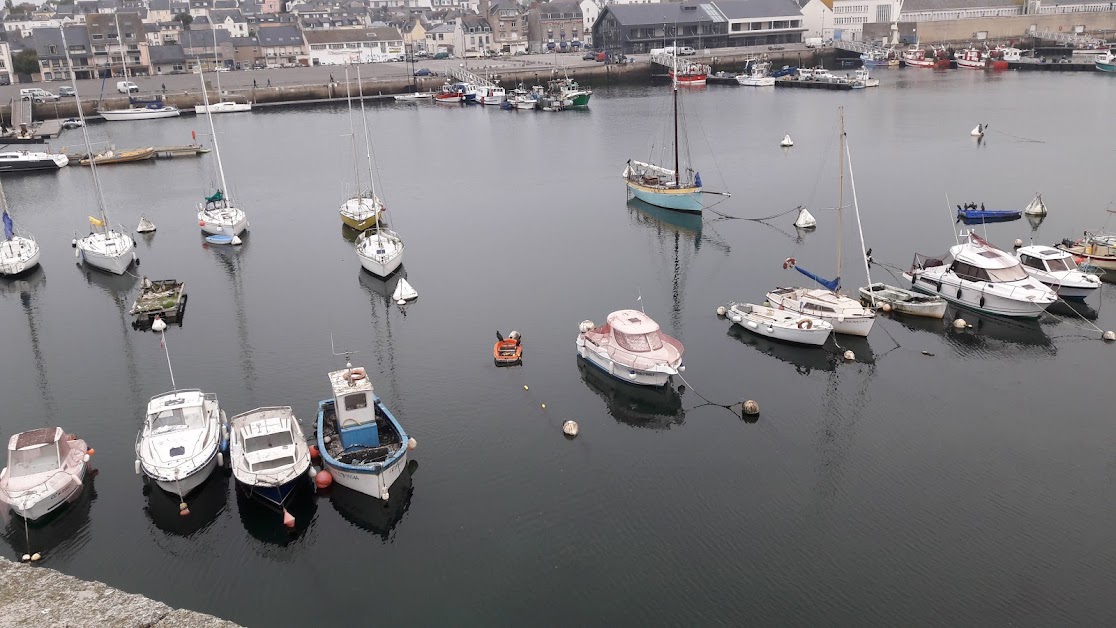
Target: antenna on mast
x,y
348,353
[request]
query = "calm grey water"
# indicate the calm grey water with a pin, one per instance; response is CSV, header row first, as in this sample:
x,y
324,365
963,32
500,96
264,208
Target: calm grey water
x,y
970,486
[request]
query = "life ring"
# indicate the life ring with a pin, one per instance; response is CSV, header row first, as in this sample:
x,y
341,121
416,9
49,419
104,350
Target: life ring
x,y
788,263
355,375
805,324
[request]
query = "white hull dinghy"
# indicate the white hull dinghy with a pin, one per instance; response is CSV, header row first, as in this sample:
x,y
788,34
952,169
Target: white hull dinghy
x,y
903,301
46,468
1057,269
631,347
181,440
983,278
269,455
362,444
778,324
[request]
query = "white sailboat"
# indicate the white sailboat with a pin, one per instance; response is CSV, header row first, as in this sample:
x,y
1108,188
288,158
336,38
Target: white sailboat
x,y
138,108
380,249
104,248
218,215
222,105
18,252
846,315
361,211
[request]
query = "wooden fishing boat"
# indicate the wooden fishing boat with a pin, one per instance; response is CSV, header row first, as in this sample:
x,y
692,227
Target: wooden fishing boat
x,y
508,351
903,301
113,156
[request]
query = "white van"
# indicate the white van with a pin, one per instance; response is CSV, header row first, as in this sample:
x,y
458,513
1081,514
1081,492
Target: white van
x,y
126,87
686,51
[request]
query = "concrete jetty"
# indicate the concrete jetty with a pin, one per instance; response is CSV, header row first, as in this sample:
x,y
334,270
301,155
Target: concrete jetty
x,y
34,597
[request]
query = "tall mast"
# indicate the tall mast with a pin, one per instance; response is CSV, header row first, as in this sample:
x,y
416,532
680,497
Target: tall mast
x,y
213,132
859,227
213,27
120,41
840,189
85,134
367,137
352,132
674,88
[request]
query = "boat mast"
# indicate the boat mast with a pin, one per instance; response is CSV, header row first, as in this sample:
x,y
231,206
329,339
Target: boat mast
x,y
213,27
840,190
368,150
120,40
213,132
859,227
85,134
674,87
352,132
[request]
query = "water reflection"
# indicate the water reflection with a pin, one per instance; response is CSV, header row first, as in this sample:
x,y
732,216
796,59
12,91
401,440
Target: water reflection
x,y
374,515
65,530
229,258
265,523
118,287
382,312
656,408
349,234
206,503
985,329
804,359
1073,309
24,287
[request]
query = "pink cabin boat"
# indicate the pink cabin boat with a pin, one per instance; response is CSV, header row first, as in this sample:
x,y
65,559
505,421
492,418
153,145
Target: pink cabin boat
x,y
631,348
45,470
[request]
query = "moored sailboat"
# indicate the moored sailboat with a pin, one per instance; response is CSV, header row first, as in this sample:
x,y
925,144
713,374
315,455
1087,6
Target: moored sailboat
x,y
380,249
19,253
360,211
222,105
218,216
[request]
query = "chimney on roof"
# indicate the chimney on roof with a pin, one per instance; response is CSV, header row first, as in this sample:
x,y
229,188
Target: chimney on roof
x,y
483,8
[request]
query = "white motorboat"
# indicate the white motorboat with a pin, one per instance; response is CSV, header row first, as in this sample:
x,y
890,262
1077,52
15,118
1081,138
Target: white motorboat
x,y
140,109
491,95
222,105
631,347
362,444
414,96
27,161
360,211
778,324
903,301
104,248
525,99
1036,207
219,216
379,249
862,78
1057,269
46,468
268,454
19,252
179,445
757,77
846,315
981,277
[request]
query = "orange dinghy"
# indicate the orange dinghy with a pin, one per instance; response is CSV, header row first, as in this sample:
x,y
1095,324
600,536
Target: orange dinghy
x,y
508,352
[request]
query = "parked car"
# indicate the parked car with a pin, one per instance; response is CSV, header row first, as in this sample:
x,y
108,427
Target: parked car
x,y
66,90
38,95
126,87
589,56
5,79
776,47
423,72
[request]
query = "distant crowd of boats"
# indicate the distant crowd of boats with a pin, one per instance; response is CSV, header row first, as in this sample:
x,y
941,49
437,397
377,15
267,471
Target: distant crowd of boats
x,y
976,57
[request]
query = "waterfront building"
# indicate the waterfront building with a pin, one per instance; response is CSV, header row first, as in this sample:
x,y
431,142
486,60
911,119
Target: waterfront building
x,y
281,45
342,46
639,28
108,44
510,28
556,25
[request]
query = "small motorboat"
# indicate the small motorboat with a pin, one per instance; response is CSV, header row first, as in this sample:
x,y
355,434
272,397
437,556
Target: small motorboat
x,y
508,351
1057,269
778,324
113,156
72,123
46,468
903,301
970,213
361,443
27,161
1097,249
631,347
224,238
180,443
269,455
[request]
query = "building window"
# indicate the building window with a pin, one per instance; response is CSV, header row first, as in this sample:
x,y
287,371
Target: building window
x,y
97,37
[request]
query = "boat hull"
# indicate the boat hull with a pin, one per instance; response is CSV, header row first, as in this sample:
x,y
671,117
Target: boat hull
x,y
119,115
223,107
274,496
682,200
18,255
117,263
372,479
756,81
34,163
186,485
622,373
359,225
50,501
1106,67
216,225
380,264
988,215
933,309
848,325
811,334
1083,256
970,298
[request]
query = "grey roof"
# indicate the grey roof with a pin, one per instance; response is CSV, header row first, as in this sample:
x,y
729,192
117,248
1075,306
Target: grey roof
x,y
44,38
279,36
476,22
660,13
166,54
219,15
202,39
159,5
912,6
559,7
746,9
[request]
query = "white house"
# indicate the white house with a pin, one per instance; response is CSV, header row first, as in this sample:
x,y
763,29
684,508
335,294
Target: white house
x,y
589,12
6,60
844,19
342,46
230,20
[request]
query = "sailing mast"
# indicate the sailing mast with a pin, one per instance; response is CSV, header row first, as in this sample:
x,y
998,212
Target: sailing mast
x,y
859,227
840,191
368,151
213,27
352,132
216,146
674,86
85,134
120,40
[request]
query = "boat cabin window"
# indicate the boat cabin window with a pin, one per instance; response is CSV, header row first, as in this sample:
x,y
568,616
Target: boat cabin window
x,y
267,441
1061,263
274,463
40,459
1011,273
1033,262
968,272
356,401
178,417
639,343
817,308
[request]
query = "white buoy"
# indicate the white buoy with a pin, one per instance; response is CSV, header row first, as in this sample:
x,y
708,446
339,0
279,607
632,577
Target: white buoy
x,y
886,307
787,141
1109,335
401,302
1018,243
158,325
145,225
805,219
569,428
411,443
404,292
35,557
751,408
515,335
721,310
849,355
736,318
586,326
978,131
137,466
1036,207
960,323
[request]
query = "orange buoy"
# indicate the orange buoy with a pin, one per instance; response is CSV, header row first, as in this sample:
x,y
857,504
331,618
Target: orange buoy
x,y
323,479
91,451
314,453
288,519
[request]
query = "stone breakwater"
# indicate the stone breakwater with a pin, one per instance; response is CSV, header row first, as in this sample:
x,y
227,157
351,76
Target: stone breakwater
x,y
34,597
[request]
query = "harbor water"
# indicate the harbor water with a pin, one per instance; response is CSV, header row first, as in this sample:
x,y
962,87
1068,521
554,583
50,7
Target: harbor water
x,y
941,477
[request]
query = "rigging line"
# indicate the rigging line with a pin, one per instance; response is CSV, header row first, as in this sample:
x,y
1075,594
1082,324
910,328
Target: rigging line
x,y
1020,138
708,401
764,219
821,164
713,155
1078,314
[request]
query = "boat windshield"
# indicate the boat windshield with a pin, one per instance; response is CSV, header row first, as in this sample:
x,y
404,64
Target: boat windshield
x,y
1003,275
41,459
639,343
1061,263
177,417
267,441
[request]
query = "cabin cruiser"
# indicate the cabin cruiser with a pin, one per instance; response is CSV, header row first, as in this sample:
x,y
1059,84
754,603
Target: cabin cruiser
x,y
268,454
179,445
631,347
46,468
981,277
27,161
1056,268
846,315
